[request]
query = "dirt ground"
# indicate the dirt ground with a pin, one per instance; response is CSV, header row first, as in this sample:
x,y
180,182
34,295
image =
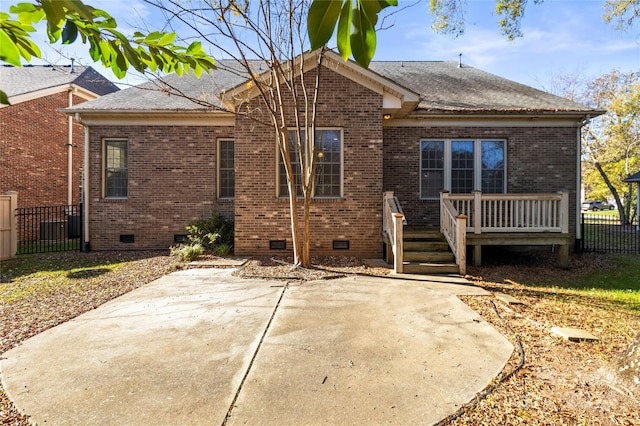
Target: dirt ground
x,y
548,381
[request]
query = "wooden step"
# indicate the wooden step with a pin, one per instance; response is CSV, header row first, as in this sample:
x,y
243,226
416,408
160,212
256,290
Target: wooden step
x,y
430,268
424,245
422,234
425,251
429,256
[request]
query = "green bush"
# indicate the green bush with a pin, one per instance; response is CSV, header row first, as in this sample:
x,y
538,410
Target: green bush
x,y
223,249
210,232
214,233
187,252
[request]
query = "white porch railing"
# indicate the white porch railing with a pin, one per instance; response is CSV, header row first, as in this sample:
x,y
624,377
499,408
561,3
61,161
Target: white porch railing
x,y
512,212
454,228
393,221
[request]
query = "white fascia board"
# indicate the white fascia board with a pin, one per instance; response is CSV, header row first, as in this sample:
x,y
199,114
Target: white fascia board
x,y
348,69
484,121
153,118
77,90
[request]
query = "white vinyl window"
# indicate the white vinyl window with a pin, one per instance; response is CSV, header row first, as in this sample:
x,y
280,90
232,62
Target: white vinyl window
x,y
462,166
328,178
116,168
226,169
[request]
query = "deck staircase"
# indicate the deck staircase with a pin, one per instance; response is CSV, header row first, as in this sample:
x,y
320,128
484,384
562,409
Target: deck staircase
x,y
426,252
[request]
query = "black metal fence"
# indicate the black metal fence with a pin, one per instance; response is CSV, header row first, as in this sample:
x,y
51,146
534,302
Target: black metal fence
x,y
605,234
48,229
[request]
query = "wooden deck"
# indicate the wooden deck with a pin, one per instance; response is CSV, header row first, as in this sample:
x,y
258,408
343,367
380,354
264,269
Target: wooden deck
x,y
477,219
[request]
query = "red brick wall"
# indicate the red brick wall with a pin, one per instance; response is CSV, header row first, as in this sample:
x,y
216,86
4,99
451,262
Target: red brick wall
x,y
172,181
34,154
260,216
539,159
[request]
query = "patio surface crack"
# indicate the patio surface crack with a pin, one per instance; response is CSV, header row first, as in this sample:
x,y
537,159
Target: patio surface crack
x,y
255,355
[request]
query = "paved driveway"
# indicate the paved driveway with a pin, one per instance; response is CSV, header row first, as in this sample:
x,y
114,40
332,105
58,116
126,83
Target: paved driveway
x,y
204,347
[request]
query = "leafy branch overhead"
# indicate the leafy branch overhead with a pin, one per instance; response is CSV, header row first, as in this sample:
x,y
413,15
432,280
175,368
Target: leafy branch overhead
x,y
69,19
356,21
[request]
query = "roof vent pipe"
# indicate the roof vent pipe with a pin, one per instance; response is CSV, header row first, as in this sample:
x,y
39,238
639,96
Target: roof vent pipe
x,y
73,71
459,60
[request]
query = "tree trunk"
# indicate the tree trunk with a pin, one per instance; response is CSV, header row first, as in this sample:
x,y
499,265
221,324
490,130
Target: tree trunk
x,y
623,217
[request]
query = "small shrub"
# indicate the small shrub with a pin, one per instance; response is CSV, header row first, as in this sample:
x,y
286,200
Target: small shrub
x,y
187,252
223,249
214,233
211,232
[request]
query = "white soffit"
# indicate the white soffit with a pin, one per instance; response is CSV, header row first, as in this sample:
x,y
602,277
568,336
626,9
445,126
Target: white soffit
x,y
164,118
77,90
481,122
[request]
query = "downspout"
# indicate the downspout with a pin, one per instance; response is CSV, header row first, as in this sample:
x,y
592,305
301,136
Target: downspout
x,y
581,124
85,190
70,154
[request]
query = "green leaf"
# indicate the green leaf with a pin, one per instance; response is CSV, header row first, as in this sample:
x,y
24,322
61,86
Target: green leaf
x,y
363,39
194,47
28,48
4,99
132,56
371,8
70,32
166,39
344,30
54,16
321,21
9,53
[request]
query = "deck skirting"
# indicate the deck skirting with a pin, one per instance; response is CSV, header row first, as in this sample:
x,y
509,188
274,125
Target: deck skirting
x,y
520,239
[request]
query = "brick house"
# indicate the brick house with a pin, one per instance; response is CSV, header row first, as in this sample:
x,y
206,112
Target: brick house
x,y
37,140
158,161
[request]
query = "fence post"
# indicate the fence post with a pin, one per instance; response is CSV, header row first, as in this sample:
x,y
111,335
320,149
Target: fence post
x,y
13,206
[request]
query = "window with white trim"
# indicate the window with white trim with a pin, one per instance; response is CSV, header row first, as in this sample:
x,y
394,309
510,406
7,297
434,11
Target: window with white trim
x,y
116,168
462,166
328,177
226,169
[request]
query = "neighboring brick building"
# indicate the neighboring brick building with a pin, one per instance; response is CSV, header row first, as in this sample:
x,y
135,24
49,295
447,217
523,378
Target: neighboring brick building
x,y
159,161
35,136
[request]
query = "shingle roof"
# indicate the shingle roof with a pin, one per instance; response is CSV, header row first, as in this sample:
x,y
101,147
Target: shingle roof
x,y
442,87
155,95
31,78
445,86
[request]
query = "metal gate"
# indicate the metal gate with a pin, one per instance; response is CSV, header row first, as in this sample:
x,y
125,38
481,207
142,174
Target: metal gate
x,y
49,229
605,234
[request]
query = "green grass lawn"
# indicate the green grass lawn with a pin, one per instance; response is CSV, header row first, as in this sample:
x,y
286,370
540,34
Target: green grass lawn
x,y
38,275
618,285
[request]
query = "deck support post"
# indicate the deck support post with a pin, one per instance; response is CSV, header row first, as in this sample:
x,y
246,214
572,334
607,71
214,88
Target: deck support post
x,y
477,255
563,254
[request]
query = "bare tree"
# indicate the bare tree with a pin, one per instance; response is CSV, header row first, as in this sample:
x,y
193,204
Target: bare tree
x,y
266,40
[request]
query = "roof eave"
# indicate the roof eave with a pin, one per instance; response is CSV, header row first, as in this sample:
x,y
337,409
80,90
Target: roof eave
x,y
493,113
152,117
